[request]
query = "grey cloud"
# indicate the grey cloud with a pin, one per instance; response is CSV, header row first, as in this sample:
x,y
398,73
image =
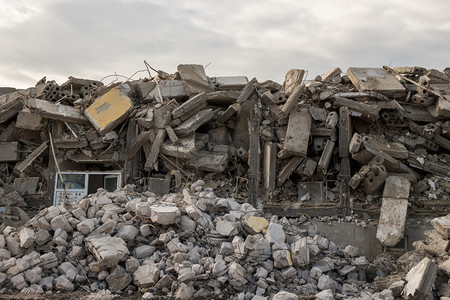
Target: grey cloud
x,y
255,38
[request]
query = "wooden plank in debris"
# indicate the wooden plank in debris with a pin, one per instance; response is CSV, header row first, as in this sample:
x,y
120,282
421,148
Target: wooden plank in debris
x,y
156,146
54,111
194,122
254,155
9,151
20,167
298,132
195,102
289,169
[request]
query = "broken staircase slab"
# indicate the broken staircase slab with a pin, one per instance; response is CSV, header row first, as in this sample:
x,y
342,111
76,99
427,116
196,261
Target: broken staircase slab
x,y
376,79
111,109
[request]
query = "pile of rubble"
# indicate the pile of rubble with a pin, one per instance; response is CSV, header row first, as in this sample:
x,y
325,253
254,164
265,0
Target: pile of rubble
x,y
329,143
195,244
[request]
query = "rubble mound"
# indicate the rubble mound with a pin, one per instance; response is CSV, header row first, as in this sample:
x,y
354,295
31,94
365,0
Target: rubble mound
x,y
184,245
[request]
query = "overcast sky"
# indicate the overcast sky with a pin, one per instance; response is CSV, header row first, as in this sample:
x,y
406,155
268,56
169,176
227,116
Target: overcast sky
x,y
262,39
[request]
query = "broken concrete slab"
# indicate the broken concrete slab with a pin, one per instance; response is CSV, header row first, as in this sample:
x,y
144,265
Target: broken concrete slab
x,y
298,132
195,78
391,224
208,161
420,280
56,111
376,79
194,122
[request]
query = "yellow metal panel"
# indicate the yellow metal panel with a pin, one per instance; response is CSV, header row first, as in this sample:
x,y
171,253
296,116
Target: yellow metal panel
x,y
108,109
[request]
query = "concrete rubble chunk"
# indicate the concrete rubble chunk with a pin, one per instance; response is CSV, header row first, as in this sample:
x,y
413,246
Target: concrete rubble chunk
x,y
63,284
420,280
255,225
108,250
285,296
146,275
300,253
165,215
391,224
442,226
275,233
27,237
227,228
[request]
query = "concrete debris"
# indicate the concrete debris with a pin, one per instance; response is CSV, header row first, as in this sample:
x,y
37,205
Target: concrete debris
x,y
122,165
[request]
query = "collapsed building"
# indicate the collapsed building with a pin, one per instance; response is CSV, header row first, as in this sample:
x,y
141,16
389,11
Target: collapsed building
x,y
373,143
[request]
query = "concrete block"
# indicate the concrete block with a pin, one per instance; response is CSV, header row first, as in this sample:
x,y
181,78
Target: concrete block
x,y
118,282
55,111
184,148
68,270
292,79
226,228
143,251
86,226
275,234
300,253
326,283
165,215
18,281
27,237
282,259
109,110
255,225
10,151
168,89
397,187
107,250
442,226
63,284
285,296
146,275
195,78
127,233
